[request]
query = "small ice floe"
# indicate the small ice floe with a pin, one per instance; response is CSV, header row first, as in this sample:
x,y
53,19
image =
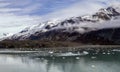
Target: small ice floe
x,y
108,53
51,52
77,58
93,57
116,50
51,55
93,66
63,57
69,54
72,54
103,53
85,52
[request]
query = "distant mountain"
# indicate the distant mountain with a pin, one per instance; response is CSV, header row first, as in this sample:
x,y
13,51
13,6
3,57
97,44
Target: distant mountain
x,y
103,27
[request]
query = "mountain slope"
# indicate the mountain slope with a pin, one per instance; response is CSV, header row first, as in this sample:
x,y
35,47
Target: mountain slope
x,y
82,28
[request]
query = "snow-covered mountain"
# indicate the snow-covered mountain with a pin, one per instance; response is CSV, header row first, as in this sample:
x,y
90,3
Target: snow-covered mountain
x,y
71,28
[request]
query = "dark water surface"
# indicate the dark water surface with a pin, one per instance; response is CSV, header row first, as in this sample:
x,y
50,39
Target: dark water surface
x,y
104,62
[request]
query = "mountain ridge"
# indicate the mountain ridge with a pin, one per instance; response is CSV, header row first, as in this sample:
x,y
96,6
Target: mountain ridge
x,y
74,28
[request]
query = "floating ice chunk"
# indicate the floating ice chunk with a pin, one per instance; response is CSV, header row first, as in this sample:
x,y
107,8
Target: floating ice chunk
x,y
85,52
69,54
103,53
51,55
108,53
77,57
93,57
93,66
63,57
117,50
51,52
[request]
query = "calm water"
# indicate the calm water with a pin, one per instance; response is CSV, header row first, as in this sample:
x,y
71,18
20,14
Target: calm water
x,y
105,62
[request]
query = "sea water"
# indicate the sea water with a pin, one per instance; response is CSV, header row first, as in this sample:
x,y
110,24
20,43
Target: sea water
x,y
101,62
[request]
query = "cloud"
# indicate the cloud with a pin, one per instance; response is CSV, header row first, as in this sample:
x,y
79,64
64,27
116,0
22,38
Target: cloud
x,y
6,10
11,20
30,9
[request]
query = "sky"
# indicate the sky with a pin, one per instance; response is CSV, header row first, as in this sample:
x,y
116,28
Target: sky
x,y
15,15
